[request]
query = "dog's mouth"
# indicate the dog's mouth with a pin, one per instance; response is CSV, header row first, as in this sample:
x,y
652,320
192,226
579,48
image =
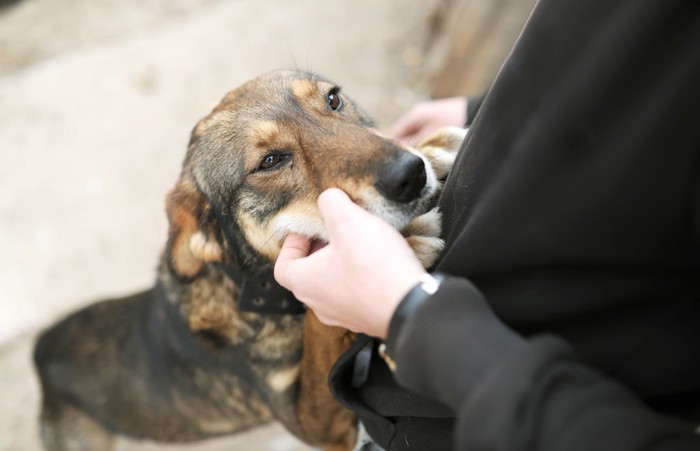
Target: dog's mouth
x,y
400,194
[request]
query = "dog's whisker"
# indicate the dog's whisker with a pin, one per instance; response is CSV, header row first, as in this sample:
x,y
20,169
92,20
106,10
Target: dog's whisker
x,y
272,235
308,62
294,56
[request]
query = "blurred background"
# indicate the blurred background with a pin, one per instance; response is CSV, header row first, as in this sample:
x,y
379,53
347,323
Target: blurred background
x,y
97,100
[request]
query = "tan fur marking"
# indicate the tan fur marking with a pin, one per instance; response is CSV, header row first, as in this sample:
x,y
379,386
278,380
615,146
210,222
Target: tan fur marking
x,y
304,89
264,133
261,236
217,116
300,217
205,249
211,307
323,421
283,379
181,207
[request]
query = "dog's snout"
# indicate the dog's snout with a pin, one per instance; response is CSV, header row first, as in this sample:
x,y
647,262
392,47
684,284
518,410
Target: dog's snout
x,y
402,178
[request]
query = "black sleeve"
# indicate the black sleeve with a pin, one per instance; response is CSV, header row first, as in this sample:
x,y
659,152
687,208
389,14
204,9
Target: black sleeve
x,y
571,204
517,394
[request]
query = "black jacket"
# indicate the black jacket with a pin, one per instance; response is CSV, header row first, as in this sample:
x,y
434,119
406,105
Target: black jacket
x,y
573,211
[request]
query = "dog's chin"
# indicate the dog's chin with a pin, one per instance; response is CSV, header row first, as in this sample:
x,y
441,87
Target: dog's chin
x,y
399,215
307,222
309,226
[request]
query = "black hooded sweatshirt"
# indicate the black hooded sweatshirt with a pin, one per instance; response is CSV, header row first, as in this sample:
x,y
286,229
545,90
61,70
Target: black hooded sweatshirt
x,y
570,314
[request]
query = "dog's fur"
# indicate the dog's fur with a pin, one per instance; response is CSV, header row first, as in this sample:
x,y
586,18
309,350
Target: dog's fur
x,y
180,362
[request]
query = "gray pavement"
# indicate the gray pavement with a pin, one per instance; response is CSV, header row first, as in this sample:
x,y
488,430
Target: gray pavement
x,y
97,100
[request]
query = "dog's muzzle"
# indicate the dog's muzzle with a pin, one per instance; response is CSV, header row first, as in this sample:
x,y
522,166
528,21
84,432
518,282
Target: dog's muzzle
x,y
402,178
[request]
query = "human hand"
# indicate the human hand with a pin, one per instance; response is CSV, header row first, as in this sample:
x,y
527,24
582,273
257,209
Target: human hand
x,y
357,280
426,117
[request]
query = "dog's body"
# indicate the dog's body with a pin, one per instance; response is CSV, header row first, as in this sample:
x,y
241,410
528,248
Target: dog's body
x,y
182,362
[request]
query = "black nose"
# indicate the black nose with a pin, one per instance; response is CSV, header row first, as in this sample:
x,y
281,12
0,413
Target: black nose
x,y
402,178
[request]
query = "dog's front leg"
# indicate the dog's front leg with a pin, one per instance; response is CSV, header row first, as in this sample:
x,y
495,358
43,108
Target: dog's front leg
x,y
423,232
423,235
440,148
322,420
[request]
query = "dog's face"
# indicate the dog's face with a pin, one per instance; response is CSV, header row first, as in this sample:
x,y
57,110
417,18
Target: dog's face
x,y
257,164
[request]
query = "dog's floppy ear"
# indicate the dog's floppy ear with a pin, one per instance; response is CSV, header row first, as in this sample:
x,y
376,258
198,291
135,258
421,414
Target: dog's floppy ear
x,y
192,237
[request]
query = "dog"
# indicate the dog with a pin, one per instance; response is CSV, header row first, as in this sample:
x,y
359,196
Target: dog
x,y
216,347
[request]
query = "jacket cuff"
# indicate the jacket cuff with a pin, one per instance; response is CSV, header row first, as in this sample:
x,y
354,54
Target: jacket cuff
x,y
445,343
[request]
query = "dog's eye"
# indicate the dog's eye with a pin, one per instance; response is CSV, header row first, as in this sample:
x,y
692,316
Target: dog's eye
x,y
272,160
334,99
269,161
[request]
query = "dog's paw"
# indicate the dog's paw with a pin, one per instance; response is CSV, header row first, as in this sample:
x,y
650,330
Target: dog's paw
x,y
440,148
423,235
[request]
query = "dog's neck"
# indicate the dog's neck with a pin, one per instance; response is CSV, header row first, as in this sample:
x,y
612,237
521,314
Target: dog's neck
x,y
260,293
253,274
209,303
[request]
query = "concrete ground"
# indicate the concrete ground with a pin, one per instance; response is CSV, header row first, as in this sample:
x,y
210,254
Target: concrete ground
x,y
96,103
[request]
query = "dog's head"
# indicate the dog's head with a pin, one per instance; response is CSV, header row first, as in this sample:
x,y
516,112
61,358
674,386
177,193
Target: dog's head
x,y
256,165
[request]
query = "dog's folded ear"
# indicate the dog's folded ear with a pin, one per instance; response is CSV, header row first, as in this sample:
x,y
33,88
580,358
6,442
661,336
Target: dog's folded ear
x,y
192,236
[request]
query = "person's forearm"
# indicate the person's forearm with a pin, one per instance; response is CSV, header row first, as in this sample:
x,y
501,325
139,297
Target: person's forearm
x,y
512,393
544,398
446,343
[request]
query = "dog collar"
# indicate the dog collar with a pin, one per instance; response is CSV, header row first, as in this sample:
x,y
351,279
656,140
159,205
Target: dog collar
x,y
260,293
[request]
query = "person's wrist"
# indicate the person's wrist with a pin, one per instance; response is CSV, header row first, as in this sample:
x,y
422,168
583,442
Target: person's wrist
x,y
393,291
426,286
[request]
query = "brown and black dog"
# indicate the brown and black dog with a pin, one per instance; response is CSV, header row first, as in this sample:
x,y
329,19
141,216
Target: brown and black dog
x,y
182,361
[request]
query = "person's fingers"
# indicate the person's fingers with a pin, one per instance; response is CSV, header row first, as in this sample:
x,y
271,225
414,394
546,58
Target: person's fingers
x,y
420,135
407,126
337,211
317,245
412,139
294,247
404,130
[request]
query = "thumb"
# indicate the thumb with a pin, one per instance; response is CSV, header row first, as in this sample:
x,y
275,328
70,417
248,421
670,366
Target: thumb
x,y
338,211
294,248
